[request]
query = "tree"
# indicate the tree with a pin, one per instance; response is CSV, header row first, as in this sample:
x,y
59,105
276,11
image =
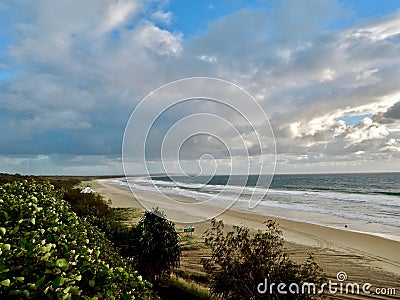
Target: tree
x,y
240,261
154,249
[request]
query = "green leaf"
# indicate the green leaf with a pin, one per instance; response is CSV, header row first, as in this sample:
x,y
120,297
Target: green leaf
x,y
92,283
22,241
28,268
40,281
30,246
65,246
2,230
5,282
59,281
6,247
4,269
15,230
15,292
62,263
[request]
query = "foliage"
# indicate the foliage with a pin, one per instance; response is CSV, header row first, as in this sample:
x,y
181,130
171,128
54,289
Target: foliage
x,y
87,205
126,214
60,182
182,289
190,275
48,252
154,248
241,260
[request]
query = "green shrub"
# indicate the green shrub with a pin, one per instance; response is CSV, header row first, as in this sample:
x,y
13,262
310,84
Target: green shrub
x,y
87,205
48,252
154,249
240,261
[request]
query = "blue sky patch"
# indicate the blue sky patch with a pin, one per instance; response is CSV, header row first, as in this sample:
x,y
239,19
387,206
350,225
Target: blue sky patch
x,y
353,120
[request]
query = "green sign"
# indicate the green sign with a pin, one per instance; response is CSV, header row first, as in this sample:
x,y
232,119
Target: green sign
x,y
188,229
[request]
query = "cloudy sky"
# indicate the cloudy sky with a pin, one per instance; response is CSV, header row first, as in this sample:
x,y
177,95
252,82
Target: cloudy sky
x,y
325,72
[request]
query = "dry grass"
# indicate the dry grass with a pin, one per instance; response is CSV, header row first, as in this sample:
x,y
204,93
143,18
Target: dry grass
x,y
190,287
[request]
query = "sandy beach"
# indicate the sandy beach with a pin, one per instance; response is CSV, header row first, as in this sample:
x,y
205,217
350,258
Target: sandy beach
x,y
365,258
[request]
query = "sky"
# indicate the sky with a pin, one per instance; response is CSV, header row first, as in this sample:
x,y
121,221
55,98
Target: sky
x,y
325,72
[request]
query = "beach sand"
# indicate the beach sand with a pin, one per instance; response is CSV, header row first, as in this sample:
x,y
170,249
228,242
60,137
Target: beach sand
x,y
364,258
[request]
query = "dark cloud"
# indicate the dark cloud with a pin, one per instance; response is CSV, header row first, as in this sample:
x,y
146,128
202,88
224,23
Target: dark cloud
x,y
393,112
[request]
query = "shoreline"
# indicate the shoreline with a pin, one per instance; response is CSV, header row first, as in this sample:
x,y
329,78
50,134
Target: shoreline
x,y
330,221
377,252
318,212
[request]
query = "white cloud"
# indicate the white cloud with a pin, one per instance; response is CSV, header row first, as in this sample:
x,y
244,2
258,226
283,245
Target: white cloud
x,y
158,40
118,13
208,59
367,131
162,17
327,75
387,27
83,66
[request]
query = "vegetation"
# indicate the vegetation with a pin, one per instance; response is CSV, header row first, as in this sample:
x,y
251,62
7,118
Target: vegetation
x,y
86,226
190,242
126,214
59,182
58,243
200,278
189,290
241,260
48,252
87,205
154,249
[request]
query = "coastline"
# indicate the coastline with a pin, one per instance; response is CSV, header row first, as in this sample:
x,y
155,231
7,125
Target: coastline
x,y
340,210
371,251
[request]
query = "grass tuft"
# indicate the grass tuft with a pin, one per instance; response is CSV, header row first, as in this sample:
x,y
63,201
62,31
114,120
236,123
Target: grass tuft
x,y
193,288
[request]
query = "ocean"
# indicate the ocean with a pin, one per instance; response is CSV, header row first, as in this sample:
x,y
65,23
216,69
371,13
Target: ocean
x,y
367,202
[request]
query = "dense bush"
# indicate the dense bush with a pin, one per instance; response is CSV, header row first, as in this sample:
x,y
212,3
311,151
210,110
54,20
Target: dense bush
x,y
240,261
87,205
48,252
153,246
60,182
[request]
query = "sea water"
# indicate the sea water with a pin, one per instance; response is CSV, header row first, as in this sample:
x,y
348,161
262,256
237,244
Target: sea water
x,y
360,202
